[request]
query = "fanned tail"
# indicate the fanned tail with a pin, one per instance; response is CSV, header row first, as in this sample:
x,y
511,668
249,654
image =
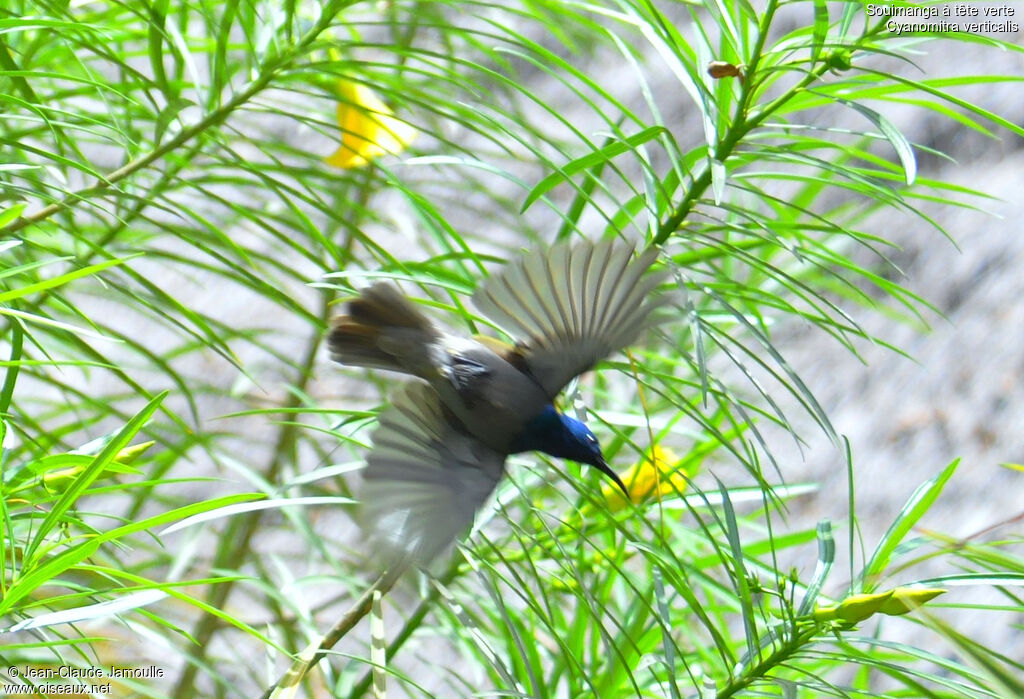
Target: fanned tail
x,y
382,330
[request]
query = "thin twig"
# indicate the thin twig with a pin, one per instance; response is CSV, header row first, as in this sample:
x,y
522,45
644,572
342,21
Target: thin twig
x,y
360,609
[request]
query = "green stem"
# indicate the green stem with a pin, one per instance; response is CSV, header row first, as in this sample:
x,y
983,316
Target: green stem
x,y
742,124
761,670
240,531
266,74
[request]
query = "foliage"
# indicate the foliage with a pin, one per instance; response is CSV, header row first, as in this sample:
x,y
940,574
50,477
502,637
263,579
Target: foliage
x,y
156,152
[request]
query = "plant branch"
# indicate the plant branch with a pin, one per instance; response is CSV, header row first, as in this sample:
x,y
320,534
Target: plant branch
x,y
761,670
411,624
356,612
266,74
742,124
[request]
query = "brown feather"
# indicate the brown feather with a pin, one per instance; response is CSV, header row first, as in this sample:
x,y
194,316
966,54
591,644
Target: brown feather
x,y
353,343
383,305
378,320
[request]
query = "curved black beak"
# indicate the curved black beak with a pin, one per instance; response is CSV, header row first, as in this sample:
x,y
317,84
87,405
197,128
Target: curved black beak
x,y
607,470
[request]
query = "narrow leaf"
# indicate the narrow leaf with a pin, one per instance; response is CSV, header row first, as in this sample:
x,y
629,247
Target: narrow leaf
x,y
918,504
590,160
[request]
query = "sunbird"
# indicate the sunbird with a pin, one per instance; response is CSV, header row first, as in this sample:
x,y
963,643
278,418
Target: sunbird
x,y
440,448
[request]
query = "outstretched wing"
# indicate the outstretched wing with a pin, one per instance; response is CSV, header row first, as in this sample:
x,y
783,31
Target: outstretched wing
x,y
424,479
573,306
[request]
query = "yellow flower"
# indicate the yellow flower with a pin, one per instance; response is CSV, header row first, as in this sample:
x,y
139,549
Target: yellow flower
x,y
368,128
654,474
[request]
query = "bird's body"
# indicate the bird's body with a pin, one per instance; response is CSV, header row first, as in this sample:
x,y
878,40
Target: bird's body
x,y
441,447
468,375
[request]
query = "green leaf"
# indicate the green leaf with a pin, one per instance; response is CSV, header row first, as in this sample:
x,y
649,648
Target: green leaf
x,y
820,29
10,214
899,142
919,503
40,574
97,466
826,557
62,279
603,155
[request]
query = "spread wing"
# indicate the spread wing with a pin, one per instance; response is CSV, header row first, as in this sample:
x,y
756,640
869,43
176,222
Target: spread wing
x,y
424,480
573,306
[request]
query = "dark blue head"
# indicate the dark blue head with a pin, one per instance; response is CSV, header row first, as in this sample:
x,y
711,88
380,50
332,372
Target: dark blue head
x,y
559,435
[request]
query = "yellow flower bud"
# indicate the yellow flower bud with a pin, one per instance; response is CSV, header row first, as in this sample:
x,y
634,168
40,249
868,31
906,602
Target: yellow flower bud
x,y
131,453
907,599
826,613
854,609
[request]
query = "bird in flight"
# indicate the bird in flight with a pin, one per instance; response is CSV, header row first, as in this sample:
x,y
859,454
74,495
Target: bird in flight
x,y
440,448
